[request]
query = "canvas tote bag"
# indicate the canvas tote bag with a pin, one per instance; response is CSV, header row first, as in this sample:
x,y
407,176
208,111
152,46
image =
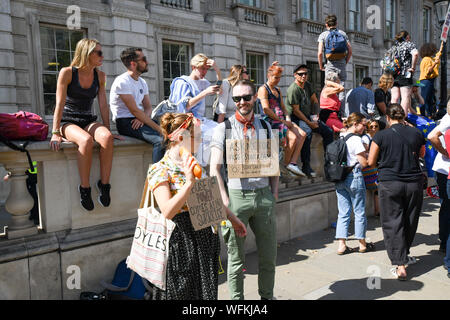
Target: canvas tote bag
x,y
150,249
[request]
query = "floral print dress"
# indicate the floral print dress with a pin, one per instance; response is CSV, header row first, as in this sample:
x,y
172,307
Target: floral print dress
x,y
193,264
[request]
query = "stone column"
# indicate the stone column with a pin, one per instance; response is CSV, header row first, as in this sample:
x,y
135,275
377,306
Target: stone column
x,y
19,203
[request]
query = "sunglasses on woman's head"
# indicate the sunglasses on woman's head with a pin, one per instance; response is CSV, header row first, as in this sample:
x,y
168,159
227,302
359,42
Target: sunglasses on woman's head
x,y
246,98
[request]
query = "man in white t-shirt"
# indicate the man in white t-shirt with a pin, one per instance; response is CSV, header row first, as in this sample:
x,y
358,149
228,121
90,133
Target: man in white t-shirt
x,y
441,168
334,65
130,103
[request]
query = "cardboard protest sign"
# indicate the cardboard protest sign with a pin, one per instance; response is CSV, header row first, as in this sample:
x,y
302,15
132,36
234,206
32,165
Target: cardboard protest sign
x,y
205,204
252,158
446,26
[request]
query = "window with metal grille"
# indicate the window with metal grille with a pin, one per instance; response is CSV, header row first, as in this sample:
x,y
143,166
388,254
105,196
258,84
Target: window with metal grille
x,y
57,50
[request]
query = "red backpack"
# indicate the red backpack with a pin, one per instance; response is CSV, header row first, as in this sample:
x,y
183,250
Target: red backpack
x,y
23,125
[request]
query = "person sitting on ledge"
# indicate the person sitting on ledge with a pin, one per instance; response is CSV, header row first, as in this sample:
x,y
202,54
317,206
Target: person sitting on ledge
x,y
73,119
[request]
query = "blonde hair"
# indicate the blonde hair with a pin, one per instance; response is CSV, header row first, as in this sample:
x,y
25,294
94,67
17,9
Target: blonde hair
x,y
353,118
386,81
82,51
199,60
235,74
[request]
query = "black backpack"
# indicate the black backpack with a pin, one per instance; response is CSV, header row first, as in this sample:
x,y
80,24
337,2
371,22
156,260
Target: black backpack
x,y
336,168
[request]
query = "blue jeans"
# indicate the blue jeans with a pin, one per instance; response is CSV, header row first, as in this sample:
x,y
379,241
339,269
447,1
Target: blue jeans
x,y
427,93
351,194
327,136
144,133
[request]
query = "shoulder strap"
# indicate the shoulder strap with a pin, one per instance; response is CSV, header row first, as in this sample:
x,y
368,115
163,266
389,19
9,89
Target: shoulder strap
x,y
349,136
21,148
227,127
264,125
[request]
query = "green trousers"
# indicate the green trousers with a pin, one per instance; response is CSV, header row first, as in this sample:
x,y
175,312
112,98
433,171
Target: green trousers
x,y
254,208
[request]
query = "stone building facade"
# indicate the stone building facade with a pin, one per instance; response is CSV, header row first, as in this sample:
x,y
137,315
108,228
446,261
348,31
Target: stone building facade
x,y
36,41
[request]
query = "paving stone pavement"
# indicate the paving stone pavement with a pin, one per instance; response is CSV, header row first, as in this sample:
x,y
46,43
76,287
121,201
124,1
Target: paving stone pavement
x,y
308,267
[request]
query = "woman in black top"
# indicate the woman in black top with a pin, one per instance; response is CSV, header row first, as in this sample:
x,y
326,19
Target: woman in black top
x,y
383,98
397,151
73,120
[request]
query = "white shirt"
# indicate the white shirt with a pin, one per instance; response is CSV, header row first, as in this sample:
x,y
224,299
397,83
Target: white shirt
x,y
442,163
125,84
354,147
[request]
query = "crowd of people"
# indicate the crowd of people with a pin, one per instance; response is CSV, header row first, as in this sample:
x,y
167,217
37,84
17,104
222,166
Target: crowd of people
x,y
383,151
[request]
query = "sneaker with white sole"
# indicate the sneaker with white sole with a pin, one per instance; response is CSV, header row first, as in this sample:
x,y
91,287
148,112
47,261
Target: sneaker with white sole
x,y
295,169
103,189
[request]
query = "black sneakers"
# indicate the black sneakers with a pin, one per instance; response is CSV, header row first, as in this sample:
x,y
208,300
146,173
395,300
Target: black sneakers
x,y
103,189
85,198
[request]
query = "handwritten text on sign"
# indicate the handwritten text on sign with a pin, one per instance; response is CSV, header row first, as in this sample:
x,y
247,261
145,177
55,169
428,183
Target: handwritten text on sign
x,y
252,158
205,204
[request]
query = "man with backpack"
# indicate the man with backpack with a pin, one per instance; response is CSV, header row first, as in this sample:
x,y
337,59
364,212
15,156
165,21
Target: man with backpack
x,y
252,200
334,43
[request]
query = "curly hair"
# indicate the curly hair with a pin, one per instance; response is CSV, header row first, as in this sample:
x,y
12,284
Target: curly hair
x,y
428,50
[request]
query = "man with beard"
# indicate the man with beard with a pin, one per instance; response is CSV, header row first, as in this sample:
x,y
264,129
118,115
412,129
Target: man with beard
x,y
130,103
250,199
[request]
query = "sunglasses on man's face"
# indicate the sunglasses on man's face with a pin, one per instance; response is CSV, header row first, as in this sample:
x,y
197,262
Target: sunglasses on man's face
x,y
246,98
144,58
301,74
373,127
245,71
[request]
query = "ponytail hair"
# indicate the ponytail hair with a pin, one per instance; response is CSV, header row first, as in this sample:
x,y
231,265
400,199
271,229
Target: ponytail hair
x,y
395,112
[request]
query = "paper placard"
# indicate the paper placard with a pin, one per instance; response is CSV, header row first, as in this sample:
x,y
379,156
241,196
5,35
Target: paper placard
x,y
205,204
252,158
446,26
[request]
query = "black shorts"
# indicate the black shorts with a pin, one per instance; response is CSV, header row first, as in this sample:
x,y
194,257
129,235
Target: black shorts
x,y
401,81
81,121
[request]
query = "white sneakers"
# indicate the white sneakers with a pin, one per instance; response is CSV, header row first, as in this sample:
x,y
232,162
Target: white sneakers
x,y
295,170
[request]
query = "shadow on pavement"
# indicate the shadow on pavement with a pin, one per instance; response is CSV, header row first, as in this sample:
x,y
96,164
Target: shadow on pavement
x,y
358,289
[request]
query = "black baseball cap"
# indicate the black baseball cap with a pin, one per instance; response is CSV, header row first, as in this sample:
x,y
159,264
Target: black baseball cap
x,y
300,66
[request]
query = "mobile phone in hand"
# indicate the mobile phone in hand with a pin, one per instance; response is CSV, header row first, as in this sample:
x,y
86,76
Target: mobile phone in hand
x,y
219,83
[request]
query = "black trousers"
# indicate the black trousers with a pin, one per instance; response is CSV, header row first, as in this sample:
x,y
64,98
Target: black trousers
x,y
400,207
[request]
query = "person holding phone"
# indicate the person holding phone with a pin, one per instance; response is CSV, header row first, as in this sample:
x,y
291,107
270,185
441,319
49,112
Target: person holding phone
x,y
189,93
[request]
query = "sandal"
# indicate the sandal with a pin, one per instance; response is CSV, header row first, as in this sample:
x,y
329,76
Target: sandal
x,y
346,251
396,276
369,247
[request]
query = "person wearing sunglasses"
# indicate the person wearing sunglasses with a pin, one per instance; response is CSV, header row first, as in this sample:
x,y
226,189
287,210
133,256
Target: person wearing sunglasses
x,y
275,112
226,106
371,174
73,120
301,102
252,200
130,102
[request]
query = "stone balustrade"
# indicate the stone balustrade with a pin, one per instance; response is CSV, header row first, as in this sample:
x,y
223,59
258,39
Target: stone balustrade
x,y
40,263
179,4
58,181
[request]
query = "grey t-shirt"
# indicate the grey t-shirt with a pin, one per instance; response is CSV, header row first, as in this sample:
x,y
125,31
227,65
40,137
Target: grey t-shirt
x,y
237,132
323,36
